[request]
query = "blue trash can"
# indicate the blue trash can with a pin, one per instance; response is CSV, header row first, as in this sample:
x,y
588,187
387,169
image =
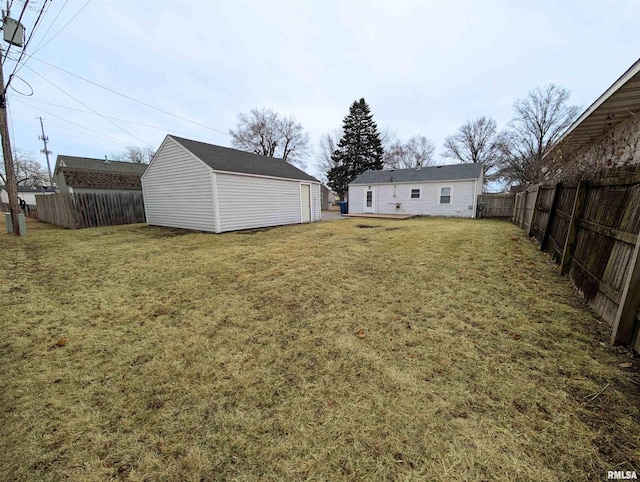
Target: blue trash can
x,y
343,207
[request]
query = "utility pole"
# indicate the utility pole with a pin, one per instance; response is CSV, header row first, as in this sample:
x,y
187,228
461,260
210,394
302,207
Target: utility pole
x,y
10,173
14,38
46,151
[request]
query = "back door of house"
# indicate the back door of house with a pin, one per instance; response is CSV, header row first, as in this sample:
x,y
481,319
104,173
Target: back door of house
x,y
370,200
305,202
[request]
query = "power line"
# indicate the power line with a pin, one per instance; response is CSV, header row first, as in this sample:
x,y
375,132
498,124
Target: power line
x,y
43,36
92,110
63,27
104,136
50,25
13,135
24,48
131,98
24,7
164,129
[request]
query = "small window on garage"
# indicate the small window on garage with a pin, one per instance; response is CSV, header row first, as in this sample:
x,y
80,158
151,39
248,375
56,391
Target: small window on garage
x,y
415,194
445,195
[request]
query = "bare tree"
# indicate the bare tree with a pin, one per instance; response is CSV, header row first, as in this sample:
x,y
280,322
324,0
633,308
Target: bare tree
x,y
136,154
475,141
416,152
326,147
539,121
263,131
387,137
28,171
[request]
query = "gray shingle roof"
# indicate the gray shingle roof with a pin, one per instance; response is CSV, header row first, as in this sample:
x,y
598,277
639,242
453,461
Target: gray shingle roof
x,y
232,160
454,172
95,179
99,165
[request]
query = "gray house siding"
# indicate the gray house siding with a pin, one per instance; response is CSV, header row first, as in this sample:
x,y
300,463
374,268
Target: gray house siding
x,y
246,202
178,191
316,200
194,185
60,183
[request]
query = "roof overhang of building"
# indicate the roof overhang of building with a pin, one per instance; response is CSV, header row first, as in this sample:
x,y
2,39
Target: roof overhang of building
x,y
615,105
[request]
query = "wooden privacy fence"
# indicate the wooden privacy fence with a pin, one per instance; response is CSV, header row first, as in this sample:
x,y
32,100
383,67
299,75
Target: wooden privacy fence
x,y
88,210
590,227
495,205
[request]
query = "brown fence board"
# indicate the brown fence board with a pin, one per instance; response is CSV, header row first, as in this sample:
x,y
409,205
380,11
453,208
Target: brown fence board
x,y
592,230
496,205
88,210
542,211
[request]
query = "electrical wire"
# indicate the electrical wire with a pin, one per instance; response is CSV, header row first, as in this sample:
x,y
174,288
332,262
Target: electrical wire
x,y
13,136
131,98
63,27
164,129
24,7
104,136
85,105
50,26
26,83
24,48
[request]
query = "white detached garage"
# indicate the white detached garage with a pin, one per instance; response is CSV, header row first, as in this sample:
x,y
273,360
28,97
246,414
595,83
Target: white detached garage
x,y
194,185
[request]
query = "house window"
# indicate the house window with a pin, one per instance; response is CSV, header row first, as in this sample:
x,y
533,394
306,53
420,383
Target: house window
x,y
415,194
445,195
369,199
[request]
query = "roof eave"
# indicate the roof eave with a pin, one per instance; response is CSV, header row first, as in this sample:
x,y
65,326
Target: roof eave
x,y
218,171
415,182
622,80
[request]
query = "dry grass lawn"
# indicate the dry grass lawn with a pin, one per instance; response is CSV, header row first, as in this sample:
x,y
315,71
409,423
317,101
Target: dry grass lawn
x,y
428,349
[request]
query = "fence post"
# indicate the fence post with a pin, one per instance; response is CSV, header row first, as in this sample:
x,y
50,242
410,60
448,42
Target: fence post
x,y
534,214
524,208
552,214
622,328
570,244
515,208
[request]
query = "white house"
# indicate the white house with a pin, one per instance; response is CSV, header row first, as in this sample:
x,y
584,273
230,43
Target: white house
x,y
26,193
431,191
193,185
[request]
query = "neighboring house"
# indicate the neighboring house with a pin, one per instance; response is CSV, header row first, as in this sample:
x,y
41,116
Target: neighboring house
x,y
607,134
326,197
87,175
27,194
431,191
193,185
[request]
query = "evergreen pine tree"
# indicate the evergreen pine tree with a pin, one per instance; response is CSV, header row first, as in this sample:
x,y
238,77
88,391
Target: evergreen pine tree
x,y
359,150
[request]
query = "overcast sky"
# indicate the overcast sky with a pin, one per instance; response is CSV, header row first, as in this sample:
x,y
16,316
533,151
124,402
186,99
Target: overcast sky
x,y
423,66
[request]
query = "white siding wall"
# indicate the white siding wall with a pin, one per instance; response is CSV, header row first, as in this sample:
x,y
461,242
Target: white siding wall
x,y
387,195
28,197
60,182
316,200
177,190
356,199
246,202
